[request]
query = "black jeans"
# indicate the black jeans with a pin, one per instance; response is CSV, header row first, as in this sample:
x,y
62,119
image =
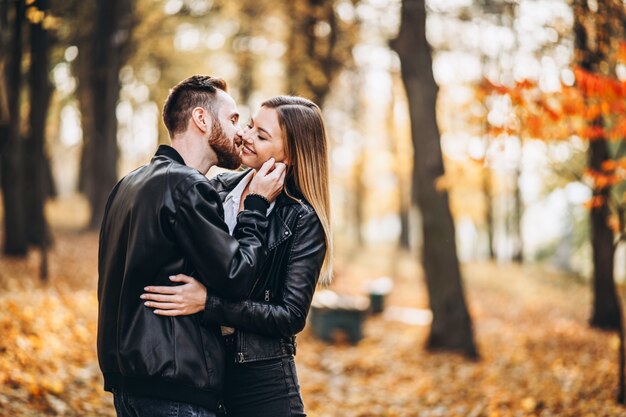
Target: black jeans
x,y
129,405
266,388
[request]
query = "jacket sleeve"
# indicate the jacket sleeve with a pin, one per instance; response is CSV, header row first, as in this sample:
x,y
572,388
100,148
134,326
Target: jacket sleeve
x,y
227,265
288,317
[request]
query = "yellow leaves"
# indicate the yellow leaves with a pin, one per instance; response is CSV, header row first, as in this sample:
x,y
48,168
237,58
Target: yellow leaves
x,y
34,15
51,22
529,404
443,183
539,356
42,336
53,386
37,16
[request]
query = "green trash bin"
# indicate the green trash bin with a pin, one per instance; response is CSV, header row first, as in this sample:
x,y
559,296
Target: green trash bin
x,y
332,313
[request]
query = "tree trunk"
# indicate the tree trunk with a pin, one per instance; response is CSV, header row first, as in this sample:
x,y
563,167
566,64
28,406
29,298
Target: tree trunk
x,y
81,37
488,195
605,313
621,393
111,34
451,328
34,161
592,38
404,199
244,55
15,238
5,35
318,47
360,195
404,241
518,214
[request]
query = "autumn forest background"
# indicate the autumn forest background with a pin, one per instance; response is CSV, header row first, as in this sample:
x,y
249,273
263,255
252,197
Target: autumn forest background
x,y
478,163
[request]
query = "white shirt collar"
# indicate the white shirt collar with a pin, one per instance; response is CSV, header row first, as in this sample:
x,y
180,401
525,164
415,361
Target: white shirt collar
x,y
233,199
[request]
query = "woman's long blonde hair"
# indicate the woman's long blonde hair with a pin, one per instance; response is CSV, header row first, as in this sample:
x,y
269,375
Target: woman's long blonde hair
x,y
305,144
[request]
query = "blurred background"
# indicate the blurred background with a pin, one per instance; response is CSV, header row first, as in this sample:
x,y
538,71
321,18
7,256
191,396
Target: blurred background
x,y
478,159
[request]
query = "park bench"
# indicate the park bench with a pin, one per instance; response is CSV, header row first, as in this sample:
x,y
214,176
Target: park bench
x,y
332,314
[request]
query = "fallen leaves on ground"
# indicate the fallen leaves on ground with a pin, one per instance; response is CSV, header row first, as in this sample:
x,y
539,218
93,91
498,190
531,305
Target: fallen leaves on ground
x,y
538,355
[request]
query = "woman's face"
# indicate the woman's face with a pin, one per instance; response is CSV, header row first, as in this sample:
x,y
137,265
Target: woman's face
x,y
263,139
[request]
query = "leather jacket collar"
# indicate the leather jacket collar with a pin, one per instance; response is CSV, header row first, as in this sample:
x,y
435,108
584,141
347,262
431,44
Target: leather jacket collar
x,y
281,217
226,182
169,152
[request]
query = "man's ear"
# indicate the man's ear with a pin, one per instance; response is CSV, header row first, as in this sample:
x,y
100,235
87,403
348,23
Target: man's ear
x,y
201,118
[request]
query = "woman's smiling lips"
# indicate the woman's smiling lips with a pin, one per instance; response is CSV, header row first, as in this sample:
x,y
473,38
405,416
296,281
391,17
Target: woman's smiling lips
x,y
247,150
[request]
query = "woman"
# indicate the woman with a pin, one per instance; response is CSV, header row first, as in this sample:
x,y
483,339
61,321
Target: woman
x,y
261,377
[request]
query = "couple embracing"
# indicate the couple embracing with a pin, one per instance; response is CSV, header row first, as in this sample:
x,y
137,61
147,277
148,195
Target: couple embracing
x,y
203,284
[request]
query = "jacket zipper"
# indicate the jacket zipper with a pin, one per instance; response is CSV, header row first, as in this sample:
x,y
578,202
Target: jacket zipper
x,y
267,295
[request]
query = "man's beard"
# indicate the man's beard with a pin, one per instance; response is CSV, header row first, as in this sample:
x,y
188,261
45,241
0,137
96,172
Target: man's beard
x,y
228,155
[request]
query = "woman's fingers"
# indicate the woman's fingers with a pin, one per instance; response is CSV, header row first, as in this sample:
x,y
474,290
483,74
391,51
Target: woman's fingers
x,y
181,278
171,289
178,300
162,306
169,312
162,289
168,298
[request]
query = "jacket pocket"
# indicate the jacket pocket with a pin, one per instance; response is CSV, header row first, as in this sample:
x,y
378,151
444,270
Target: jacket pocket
x,y
212,352
206,360
146,345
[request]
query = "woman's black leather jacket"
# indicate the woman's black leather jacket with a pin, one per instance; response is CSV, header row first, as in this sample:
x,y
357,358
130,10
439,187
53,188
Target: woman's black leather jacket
x,y
279,302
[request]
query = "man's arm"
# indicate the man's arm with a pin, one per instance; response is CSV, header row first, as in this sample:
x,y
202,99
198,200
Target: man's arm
x,y
226,264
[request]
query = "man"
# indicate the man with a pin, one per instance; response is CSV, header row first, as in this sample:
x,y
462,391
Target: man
x,y
165,218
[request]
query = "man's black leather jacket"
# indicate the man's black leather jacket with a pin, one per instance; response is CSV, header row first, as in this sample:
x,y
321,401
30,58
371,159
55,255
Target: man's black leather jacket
x,y
277,306
162,219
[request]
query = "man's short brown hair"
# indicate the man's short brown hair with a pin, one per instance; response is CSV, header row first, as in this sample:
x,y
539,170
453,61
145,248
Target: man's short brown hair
x,y
192,92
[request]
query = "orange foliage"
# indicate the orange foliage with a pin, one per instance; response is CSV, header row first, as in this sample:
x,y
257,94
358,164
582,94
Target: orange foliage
x,y
602,180
573,110
526,84
532,333
609,165
572,102
597,85
594,132
614,224
595,202
621,52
